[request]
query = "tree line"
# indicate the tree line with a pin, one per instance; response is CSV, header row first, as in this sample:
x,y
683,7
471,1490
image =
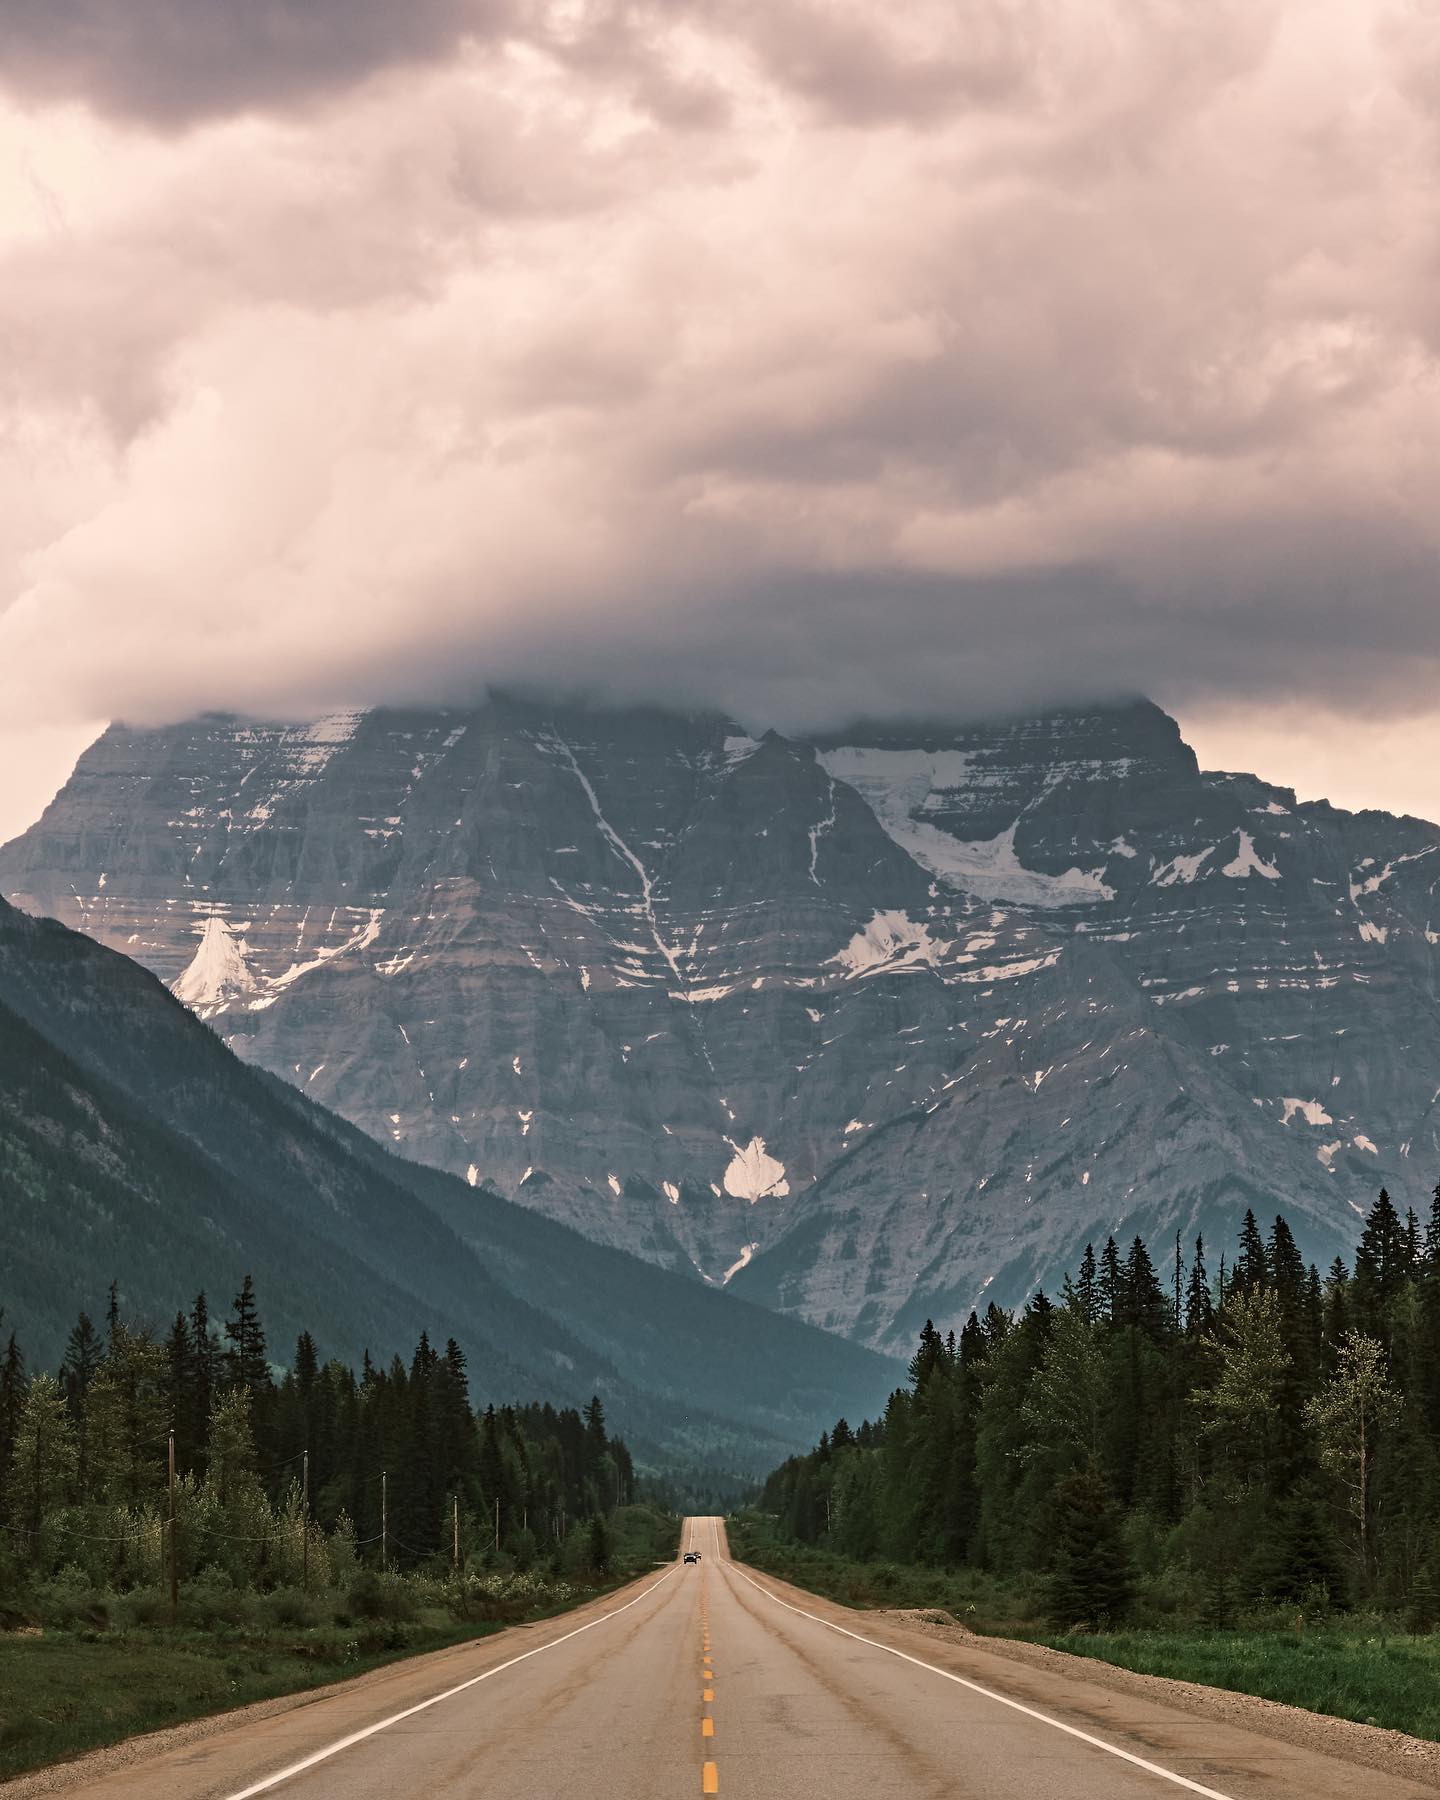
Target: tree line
x,y
321,1469
1191,1445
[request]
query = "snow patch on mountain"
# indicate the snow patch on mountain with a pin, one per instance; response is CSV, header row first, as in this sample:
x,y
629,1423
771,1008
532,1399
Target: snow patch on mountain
x,y
891,941
1248,862
1311,1111
753,1174
218,970
898,784
746,1253
1183,870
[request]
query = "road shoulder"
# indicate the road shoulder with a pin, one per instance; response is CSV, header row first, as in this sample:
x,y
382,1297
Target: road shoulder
x,y
1127,1706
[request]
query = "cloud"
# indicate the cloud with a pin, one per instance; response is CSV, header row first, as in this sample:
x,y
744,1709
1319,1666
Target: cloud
x,y
170,62
802,358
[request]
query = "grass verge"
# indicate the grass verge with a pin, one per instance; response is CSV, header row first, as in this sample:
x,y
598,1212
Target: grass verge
x,y
1392,1681
66,1692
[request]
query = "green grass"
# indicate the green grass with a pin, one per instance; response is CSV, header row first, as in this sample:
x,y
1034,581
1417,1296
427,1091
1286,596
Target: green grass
x,y
1392,1681
972,1596
65,1692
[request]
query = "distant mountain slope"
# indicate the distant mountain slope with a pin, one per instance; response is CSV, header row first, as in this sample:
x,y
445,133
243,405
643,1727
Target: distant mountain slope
x,y
868,1027
134,1145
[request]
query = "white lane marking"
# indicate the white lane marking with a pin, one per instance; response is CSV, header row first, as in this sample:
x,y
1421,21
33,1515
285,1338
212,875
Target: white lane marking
x,y
358,1737
1030,1712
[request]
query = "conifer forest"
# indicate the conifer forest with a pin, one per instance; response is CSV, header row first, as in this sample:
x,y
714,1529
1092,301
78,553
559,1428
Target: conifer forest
x,y
1167,1439
305,1481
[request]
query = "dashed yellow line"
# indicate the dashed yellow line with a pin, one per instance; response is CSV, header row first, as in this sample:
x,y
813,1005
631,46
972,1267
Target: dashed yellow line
x,y
709,1771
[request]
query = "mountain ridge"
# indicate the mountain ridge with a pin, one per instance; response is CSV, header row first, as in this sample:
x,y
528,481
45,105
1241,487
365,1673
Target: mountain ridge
x,y
870,1026
135,1146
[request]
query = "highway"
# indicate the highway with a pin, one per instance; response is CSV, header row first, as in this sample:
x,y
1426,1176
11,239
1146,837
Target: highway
x,y
715,1679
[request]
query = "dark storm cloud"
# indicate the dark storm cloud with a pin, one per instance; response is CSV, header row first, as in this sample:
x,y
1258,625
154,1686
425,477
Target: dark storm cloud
x,y
806,359
170,62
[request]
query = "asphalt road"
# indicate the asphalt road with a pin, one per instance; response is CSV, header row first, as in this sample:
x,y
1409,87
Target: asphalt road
x,y
711,1678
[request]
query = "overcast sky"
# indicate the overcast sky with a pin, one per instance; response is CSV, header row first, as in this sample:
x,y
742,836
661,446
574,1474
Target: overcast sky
x,y
800,357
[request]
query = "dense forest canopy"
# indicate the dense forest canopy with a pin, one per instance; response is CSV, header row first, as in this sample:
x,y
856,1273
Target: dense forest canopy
x,y
322,1466
1185,1443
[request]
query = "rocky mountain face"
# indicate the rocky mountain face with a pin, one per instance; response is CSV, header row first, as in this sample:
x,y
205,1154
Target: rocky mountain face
x,y
868,1028
135,1148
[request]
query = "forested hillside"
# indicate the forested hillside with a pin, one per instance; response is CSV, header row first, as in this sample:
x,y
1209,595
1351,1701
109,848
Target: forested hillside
x,y
135,1148
279,1482
1178,1442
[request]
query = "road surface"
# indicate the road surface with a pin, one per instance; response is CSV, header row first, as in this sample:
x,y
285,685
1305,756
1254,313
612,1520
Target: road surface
x,y
712,1678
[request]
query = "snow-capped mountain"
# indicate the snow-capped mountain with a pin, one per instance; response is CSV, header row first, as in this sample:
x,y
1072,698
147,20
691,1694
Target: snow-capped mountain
x,y
870,1026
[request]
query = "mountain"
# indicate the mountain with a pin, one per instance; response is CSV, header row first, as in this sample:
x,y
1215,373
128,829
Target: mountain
x,y
135,1146
867,1027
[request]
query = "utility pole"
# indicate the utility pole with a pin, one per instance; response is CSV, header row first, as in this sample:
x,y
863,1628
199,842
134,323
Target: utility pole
x,y
497,1524
384,1520
35,1519
174,1543
455,1533
305,1523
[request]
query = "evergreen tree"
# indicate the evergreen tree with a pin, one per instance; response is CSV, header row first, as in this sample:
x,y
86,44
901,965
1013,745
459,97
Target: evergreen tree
x,y
929,1356
12,1402
1252,1273
1381,1268
180,1392
1090,1579
1431,1248
246,1362
40,1470
1142,1301
84,1354
1108,1286
1087,1290
1199,1306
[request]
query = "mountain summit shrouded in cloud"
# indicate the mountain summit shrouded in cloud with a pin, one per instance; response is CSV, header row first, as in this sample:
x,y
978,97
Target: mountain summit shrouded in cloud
x,y
801,359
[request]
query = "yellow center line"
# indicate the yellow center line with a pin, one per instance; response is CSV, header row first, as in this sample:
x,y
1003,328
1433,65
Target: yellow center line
x,y
709,1779
708,1694
707,1728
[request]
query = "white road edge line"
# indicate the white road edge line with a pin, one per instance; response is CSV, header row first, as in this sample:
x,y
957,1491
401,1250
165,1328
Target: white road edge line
x,y
990,1694
358,1737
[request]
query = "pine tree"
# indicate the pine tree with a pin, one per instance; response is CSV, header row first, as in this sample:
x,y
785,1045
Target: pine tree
x,y
1380,1268
180,1389
1087,1290
1431,1250
12,1401
1108,1286
84,1354
1199,1306
1090,1578
1252,1274
599,1546
247,1364
1142,1301
929,1356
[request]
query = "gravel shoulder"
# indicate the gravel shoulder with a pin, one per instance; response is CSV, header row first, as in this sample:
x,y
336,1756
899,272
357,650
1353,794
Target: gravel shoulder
x,y
1366,1746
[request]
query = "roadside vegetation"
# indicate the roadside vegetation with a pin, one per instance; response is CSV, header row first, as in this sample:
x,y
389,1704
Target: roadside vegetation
x,y
316,1526
1232,1480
